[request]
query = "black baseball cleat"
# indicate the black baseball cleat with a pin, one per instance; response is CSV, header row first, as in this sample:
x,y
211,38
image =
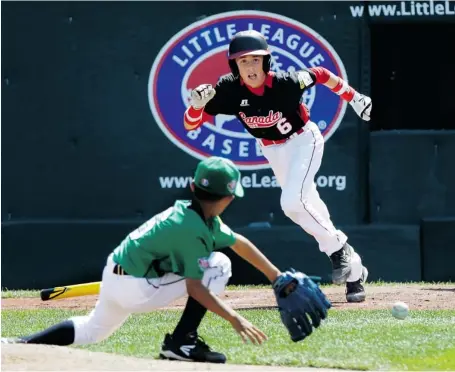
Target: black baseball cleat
x,y
191,349
354,290
341,264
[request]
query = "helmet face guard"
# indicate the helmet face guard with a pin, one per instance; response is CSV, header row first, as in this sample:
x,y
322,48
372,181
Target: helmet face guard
x,y
248,43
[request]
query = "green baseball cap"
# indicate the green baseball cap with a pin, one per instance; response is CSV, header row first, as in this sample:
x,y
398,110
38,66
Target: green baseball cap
x,y
218,176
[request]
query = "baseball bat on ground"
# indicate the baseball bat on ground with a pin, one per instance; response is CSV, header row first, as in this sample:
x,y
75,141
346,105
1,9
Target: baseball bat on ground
x,y
75,290
87,289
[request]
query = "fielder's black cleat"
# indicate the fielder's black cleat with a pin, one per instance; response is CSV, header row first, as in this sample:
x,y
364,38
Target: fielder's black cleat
x,y
191,349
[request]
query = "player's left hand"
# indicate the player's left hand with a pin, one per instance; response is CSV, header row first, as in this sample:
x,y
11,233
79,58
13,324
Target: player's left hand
x,y
298,298
362,106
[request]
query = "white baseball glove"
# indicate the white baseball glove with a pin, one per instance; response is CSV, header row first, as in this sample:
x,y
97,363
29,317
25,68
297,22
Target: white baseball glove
x,y
201,95
362,106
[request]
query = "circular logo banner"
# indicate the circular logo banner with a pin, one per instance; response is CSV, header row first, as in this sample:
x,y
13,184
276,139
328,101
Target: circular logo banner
x,y
198,55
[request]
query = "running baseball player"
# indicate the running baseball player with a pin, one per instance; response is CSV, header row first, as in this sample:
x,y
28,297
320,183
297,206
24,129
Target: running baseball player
x,y
172,255
290,141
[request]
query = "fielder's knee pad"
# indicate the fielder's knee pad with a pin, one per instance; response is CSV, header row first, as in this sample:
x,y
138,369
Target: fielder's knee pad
x,y
217,271
87,333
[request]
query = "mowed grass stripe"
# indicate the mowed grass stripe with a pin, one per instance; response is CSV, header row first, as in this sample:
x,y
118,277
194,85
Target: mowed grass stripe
x,y
357,339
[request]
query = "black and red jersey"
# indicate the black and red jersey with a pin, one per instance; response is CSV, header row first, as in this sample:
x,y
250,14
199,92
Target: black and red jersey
x,y
274,111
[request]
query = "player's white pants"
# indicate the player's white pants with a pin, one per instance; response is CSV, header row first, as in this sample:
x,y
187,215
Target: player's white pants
x,y
295,164
122,295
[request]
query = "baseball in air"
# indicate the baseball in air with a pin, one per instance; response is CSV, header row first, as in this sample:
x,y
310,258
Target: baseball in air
x,y
400,310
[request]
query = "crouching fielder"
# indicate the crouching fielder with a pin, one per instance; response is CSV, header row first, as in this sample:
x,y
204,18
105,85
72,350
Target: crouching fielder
x,y
173,255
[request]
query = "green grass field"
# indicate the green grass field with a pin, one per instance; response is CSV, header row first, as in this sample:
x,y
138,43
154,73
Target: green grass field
x,y
350,339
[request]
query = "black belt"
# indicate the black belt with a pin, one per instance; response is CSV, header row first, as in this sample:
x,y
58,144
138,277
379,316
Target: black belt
x,y
119,270
266,142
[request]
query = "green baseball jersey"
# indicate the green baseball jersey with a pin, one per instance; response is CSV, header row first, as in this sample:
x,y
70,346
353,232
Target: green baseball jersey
x,y
177,240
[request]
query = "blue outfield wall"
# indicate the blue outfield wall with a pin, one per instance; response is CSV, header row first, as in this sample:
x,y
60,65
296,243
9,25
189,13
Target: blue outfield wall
x,y
92,141
71,253
84,142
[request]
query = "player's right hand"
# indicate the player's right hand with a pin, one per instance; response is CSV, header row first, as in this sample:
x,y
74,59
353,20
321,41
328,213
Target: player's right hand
x,y
201,95
246,330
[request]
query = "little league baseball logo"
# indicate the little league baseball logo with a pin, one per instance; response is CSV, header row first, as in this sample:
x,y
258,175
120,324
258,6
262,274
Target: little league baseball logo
x,y
198,54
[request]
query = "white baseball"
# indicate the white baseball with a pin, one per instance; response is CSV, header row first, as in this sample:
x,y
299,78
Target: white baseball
x,y
400,310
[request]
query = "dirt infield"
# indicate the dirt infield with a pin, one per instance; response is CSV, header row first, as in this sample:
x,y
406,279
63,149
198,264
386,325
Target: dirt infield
x,y
54,358
418,297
